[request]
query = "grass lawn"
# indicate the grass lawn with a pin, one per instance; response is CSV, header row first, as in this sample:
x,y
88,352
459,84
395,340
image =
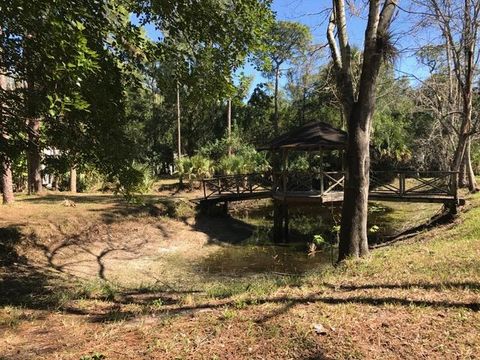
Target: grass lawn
x,y
104,278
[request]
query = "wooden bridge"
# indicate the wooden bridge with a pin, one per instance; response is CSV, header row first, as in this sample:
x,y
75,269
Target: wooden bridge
x,y
327,187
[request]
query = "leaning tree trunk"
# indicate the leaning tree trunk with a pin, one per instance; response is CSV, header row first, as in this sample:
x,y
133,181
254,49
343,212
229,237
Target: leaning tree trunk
x,y
7,182
462,152
462,174
472,182
33,157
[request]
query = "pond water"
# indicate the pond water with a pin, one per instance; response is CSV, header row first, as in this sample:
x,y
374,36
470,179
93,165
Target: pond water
x,y
238,260
258,254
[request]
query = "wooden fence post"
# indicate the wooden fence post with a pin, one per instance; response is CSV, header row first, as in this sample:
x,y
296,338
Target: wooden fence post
x,y
401,177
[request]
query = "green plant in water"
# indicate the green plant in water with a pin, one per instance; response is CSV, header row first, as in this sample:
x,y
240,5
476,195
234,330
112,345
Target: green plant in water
x,y
318,240
157,303
229,314
93,357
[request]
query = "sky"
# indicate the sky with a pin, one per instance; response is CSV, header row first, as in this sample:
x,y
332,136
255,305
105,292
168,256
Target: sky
x,y
313,14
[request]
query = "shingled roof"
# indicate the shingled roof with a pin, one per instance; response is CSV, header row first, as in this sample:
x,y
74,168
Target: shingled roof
x,y
311,136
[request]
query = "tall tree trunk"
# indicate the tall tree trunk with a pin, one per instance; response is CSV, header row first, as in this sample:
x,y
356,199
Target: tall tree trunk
x,y
464,140
229,126
55,182
5,163
304,101
73,179
179,124
7,182
465,72
33,157
179,133
275,98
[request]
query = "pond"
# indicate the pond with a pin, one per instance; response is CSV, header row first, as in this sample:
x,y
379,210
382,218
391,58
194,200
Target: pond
x,y
258,254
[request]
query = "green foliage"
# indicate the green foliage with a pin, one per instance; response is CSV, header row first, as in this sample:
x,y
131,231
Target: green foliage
x,y
104,91
96,356
299,163
194,168
245,162
136,179
318,240
286,41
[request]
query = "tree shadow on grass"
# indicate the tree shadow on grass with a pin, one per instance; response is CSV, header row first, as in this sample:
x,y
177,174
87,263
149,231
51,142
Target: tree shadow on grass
x,y
462,285
21,283
175,308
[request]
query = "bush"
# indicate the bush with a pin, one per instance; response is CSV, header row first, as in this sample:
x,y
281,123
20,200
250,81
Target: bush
x,y
245,162
134,180
194,168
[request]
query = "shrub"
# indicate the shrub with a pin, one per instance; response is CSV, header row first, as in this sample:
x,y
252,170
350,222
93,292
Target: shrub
x,y
245,161
134,180
194,168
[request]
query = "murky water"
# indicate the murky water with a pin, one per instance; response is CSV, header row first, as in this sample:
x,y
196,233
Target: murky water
x,y
258,253
257,259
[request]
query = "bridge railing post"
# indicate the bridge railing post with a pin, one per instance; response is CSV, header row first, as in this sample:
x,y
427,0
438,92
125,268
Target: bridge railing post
x,y
401,177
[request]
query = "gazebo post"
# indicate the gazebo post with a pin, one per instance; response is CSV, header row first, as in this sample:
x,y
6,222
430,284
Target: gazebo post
x,y
278,204
321,171
277,220
280,207
285,204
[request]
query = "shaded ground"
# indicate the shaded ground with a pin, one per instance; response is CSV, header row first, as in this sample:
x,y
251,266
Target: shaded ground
x,y
107,278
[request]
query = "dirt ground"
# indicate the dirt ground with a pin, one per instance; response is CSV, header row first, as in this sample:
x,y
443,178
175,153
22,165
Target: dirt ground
x,y
103,279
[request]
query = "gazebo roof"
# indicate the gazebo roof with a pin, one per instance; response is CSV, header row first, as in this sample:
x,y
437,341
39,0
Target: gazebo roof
x,y
312,136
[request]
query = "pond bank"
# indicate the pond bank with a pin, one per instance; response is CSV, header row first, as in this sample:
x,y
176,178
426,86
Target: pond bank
x,y
153,287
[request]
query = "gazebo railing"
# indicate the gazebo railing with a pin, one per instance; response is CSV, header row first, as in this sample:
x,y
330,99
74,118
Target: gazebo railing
x,y
319,182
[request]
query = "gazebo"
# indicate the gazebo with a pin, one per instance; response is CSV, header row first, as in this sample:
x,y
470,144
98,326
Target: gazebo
x,y
313,184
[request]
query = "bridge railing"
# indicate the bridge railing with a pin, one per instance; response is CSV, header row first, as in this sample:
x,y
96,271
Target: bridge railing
x,y
237,184
414,183
382,183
